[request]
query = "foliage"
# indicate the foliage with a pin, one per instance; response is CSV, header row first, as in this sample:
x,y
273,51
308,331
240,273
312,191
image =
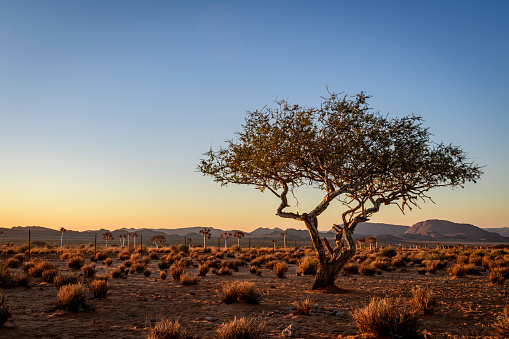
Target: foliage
x,y
99,288
423,300
169,329
352,154
72,297
241,329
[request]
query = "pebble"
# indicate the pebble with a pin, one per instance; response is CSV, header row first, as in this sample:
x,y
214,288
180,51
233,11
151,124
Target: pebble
x,y
290,332
212,319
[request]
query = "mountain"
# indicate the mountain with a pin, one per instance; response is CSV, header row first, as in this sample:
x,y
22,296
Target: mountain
x,y
261,231
373,229
503,231
443,229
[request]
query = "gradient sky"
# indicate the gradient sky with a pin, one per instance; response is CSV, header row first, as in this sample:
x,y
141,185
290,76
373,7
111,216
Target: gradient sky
x,y
107,106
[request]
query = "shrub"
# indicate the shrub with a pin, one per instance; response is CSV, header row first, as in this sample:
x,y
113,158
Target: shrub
x,y
21,279
304,306
366,269
39,267
5,276
280,269
101,256
501,327
66,279
13,263
203,269
423,300
5,311
75,263
72,297
224,271
169,329
108,262
49,275
241,329
186,279
147,272
89,270
388,252
162,275
351,268
153,255
119,272
124,255
182,248
99,288
496,278
381,317
137,267
254,269
243,291
308,266
176,271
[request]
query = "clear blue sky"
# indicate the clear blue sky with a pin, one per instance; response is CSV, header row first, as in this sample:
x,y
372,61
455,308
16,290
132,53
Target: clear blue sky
x,y
107,106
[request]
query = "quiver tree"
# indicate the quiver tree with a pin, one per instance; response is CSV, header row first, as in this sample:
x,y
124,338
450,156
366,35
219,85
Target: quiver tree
x,y
62,231
107,236
360,158
225,236
159,240
206,234
135,235
239,235
284,234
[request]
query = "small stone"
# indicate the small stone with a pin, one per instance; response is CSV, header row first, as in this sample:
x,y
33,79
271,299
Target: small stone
x,y
212,319
289,309
290,332
270,314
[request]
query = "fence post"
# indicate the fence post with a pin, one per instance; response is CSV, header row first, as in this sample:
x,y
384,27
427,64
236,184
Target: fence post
x,y
28,244
95,245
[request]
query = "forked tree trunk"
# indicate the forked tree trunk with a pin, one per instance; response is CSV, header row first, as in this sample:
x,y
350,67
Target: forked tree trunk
x,y
328,272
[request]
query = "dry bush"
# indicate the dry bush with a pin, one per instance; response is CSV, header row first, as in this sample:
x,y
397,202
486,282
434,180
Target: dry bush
x,y
66,279
381,317
39,267
186,279
243,291
49,275
423,300
108,262
496,278
100,256
388,252
176,271
89,270
119,272
21,279
501,327
72,297
124,255
99,288
162,275
431,265
367,269
224,271
5,311
460,270
398,261
137,267
308,266
304,306
139,258
75,263
203,269
254,269
169,329
153,255
381,264
241,329
147,272
351,268
13,263
6,279
280,268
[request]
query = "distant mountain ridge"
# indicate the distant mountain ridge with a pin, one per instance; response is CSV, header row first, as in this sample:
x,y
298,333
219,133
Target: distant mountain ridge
x,y
428,230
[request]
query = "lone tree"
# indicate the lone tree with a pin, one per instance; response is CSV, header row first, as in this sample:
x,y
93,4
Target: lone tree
x,y
159,240
239,235
206,234
107,236
361,158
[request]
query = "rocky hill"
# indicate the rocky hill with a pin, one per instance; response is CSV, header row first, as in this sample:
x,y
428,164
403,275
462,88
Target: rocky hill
x,y
447,230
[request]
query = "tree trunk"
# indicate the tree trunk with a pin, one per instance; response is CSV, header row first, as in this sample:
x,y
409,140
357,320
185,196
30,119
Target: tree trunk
x,y
329,271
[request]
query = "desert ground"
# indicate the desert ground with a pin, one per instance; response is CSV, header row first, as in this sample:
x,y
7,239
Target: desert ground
x,y
467,304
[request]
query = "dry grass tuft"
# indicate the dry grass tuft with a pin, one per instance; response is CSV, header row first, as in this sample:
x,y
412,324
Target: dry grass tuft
x,y
75,263
72,297
176,271
66,279
241,329
5,311
99,288
89,270
280,268
186,279
240,290
423,300
308,266
304,306
169,329
381,317
501,327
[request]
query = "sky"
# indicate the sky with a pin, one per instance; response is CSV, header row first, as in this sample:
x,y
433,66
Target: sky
x,y
106,107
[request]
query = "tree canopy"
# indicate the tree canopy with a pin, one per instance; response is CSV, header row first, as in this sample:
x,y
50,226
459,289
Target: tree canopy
x,y
361,157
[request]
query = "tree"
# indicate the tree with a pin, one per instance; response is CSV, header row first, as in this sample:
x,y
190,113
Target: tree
x,y
225,236
238,235
206,234
284,234
107,236
135,235
363,159
62,231
158,240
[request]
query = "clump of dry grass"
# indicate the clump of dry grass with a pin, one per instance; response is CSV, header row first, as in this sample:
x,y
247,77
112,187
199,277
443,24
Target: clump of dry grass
x,y
169,329
13,263
241,329
66,279
119,272
108,262
367,269
186,279
501,327
5,311
75,263
176,271
89,270
49,275
39,267
280,268
304,306
351,268
381,317
6,279
72,297
423,300
308,266
240,290
163,275
99,288
203,269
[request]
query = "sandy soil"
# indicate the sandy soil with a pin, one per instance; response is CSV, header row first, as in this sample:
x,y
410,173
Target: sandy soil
x,y
467,307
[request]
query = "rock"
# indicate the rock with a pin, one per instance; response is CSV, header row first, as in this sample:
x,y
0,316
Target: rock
x,y
289,309
270,314
212,319
281,327
290,332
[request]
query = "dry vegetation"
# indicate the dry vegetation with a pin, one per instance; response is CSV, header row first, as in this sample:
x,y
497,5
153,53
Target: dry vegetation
x,y
412,292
